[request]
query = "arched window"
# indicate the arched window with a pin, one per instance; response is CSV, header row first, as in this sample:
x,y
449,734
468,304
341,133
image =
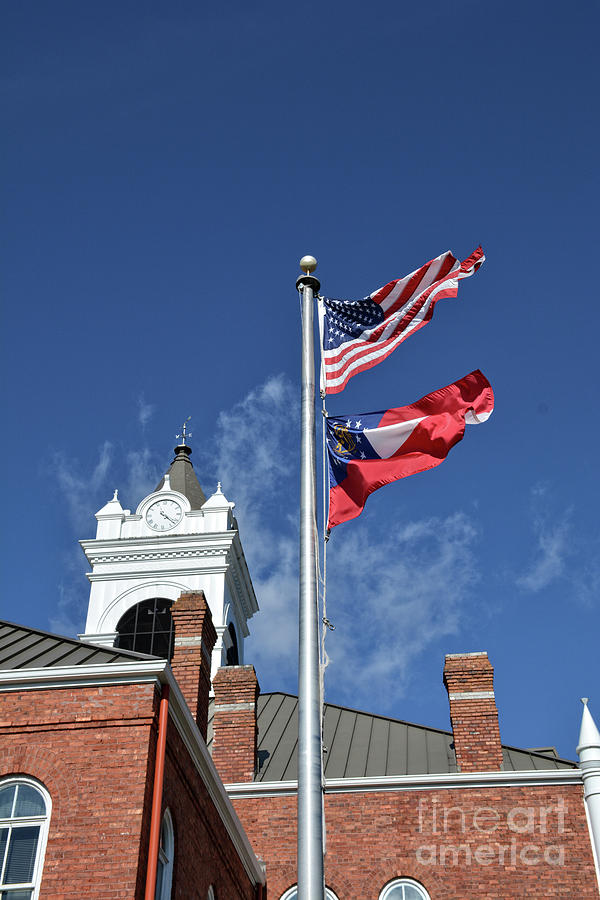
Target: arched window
x,y
233,656
24,817
147,628
166,855
292,894
211,893
404,889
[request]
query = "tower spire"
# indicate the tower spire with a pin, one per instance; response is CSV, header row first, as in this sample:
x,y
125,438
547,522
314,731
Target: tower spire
x,y
181,472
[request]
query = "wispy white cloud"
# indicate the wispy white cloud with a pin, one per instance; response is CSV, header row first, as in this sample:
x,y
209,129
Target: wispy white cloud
x,y
145,410
68,616
85,490
142,474
563,552
553,545
78,488
393,597
254,460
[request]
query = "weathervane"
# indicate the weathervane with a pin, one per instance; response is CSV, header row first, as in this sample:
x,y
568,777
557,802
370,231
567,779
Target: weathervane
x,y
184,434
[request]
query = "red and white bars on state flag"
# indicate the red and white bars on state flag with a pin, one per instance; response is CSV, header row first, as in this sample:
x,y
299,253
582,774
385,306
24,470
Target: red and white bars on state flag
x,y
358,334
367,451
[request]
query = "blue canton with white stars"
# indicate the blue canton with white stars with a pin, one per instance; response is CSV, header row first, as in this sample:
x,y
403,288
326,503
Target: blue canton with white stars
x,y
347,319
347,441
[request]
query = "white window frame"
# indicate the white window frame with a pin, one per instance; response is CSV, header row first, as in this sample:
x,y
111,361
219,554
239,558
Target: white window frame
x,y
292,894
42,821
211,893
400,882
167,856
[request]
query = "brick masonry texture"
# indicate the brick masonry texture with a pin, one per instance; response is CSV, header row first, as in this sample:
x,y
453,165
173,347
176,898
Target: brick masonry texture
x,y
234,741
90,748
94,750
204,853
475,726
191,664
448,840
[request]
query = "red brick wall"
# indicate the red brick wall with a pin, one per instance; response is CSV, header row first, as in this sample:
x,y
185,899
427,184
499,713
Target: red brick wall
x,y
90,748
234,723
374,837
204,852
94,751
195,638
469,678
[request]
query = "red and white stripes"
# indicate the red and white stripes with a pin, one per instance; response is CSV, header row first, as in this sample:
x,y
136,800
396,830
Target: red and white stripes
x,y
407,304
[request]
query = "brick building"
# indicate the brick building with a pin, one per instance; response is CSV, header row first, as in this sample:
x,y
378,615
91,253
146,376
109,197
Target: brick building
x,y
142,760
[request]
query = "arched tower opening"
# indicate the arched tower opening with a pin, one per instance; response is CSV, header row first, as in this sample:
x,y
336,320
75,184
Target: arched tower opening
x,y
147,628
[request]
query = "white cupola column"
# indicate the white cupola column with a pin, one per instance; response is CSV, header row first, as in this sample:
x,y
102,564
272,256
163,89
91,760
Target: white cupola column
x,y
588,751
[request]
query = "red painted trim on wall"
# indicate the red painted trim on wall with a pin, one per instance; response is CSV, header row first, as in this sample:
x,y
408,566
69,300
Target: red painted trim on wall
x,y
157,792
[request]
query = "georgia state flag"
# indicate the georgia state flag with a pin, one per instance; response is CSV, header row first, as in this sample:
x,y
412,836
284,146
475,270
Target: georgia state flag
x,y
370,450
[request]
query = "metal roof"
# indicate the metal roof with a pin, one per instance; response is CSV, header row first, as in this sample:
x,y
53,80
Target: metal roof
x,y
183,478
29,648
360,744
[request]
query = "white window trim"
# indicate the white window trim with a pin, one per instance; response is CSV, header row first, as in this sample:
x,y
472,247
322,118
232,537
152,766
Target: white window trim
x,y
398,882
33,820
293,893
167,824
211,893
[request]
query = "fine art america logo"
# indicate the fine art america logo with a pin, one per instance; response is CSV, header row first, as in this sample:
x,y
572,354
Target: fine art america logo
x,y
521,835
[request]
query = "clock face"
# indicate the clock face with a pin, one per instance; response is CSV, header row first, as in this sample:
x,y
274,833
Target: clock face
x,y
163,515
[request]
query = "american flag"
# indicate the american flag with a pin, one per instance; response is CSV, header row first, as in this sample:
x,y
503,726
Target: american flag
x,y
358,334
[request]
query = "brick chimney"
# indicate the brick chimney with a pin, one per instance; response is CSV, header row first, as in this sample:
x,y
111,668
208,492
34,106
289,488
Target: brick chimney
x,y
469,680
195,638
234,724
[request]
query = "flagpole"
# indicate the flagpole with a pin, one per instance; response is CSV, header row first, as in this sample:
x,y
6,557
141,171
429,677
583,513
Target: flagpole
x,y
311,878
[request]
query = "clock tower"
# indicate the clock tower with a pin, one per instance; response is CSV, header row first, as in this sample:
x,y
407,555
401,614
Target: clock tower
x,y
176,541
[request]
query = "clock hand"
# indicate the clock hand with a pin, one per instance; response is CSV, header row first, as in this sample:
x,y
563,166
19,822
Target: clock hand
x,y
163,513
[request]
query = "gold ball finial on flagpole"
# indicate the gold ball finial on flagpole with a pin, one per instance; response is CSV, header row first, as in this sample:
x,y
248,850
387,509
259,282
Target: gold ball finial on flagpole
x,y
308,264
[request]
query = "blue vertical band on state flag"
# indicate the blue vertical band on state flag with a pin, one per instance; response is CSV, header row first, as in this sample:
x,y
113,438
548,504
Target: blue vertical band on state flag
x,y
346,440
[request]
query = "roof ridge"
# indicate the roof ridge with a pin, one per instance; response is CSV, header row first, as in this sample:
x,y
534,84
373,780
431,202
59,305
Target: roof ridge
x,y
535,752
365,712
541,755
117,651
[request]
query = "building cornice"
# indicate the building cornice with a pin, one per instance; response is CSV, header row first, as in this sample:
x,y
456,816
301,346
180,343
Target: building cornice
x,y
448,781
101,550
144,672
135,672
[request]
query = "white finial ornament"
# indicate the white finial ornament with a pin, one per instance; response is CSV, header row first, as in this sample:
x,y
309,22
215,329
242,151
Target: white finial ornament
x,y
308,264
116,494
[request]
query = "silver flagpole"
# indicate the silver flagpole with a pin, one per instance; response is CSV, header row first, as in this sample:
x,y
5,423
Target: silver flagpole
x,y
311,878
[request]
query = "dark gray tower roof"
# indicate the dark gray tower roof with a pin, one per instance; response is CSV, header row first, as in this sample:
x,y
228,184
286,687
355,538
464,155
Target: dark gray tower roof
x,y
183,478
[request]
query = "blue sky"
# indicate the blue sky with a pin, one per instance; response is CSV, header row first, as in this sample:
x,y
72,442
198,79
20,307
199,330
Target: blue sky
x,y
165,168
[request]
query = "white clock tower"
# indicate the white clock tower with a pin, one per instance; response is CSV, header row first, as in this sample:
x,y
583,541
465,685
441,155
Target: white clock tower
x,y
176,541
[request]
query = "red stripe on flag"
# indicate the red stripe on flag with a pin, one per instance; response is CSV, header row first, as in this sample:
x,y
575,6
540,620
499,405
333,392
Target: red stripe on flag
x,y
382,349
344,362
